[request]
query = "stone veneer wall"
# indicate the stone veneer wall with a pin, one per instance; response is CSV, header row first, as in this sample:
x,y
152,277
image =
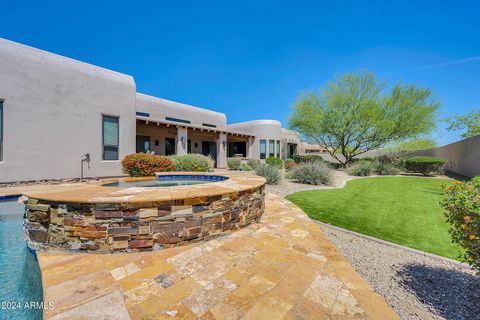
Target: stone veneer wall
x,y
138,227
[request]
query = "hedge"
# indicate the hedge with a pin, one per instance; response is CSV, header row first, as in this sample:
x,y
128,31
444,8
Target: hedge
x,y
192,162
424,165
234,163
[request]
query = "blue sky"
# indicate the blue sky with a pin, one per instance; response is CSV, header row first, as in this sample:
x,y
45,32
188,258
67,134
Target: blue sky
x,y
250,59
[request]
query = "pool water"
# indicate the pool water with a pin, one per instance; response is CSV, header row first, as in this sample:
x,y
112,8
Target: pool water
x,y
20,280
168,181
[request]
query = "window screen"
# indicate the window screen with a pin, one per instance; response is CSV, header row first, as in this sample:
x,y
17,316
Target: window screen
x,y
110,138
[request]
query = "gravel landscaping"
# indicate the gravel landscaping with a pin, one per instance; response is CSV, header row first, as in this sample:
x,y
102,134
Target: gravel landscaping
x,y
417,286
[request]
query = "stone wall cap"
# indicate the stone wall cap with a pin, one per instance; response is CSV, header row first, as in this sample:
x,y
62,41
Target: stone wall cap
x,y
96,192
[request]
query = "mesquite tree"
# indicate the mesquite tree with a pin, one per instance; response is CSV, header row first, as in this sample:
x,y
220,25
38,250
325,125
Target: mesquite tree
x,y
355,113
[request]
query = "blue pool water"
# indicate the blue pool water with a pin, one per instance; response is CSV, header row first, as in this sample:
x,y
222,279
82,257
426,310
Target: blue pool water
x,y
20,280
168,181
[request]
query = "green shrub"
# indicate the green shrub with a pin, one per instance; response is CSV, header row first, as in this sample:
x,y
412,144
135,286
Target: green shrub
x,y
360,168
234,163
462,204
307,158
253,163
192,162
424,165
245,167
272,174
274,161
142,164
384,168
313,172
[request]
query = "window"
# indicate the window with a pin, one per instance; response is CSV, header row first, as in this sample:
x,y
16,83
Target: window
x,y
143,144
1,130
209,125
169,146
278,148
110,138
263,149
142,114
177,120
271,148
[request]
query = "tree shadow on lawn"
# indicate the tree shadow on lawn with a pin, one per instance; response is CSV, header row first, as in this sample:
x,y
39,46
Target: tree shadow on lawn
x,y
451,293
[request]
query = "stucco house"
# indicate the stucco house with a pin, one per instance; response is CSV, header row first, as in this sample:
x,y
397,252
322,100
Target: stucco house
x,y
55,110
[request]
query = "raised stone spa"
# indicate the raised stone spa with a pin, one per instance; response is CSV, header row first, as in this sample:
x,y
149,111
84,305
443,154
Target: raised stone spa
x,y
116,215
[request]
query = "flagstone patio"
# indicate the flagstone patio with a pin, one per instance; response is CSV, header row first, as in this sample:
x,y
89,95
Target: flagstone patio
x,y
281,268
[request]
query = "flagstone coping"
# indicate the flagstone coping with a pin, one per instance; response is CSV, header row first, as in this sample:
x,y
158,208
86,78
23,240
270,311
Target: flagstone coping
x,y
95,192
283,267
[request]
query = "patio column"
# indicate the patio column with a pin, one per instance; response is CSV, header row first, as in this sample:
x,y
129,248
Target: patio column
x,y
249,148
181,141
222,150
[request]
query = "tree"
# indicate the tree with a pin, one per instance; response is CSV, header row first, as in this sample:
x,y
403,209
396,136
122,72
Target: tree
x,y
469,122
415,144
354,114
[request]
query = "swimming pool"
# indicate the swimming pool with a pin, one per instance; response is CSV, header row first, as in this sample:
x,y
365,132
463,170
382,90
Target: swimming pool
x,y
20,280
168,181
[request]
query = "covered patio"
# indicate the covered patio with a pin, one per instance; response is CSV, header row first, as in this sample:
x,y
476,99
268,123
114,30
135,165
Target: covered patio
x,y
169,138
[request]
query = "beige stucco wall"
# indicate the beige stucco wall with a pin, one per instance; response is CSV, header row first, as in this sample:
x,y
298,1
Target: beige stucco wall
x,y
53,114
262,130
463,156
160,108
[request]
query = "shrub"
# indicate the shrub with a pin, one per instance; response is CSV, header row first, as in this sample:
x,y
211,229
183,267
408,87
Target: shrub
x,y
192,162
253,163
290,164
274,161
272,174
462,204
313,172
142,164
245,167
360,168
424,165
384,168
307,158
234,163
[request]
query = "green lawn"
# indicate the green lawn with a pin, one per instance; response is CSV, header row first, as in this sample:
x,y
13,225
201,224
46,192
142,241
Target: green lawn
x,y
404,210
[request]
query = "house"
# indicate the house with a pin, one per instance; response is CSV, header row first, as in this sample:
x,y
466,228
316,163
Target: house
x,y
55,110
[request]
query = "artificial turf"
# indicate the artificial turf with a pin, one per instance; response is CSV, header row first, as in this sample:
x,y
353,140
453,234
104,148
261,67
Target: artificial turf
x,y
403,210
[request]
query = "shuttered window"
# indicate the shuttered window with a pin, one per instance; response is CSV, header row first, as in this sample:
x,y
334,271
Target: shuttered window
x,y
110,138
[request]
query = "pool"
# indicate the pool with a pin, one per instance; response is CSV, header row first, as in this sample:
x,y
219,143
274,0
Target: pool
x,y
20,280
168,181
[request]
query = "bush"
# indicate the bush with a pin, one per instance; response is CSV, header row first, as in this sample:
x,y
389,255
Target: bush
x,y
234,163
384,168
462,204
290,164
142,164
253,163
307,158
274,161
272,174
245,167
192,162
360,168
313,172
424,165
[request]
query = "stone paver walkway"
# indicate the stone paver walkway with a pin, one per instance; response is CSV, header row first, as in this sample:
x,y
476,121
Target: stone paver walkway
x,y
281,268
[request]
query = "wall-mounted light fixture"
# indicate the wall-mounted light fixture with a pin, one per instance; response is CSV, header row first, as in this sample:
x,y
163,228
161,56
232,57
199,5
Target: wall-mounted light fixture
x,y
224,143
